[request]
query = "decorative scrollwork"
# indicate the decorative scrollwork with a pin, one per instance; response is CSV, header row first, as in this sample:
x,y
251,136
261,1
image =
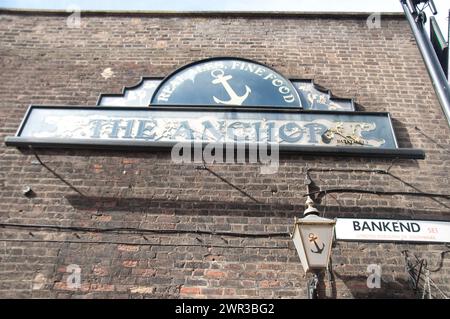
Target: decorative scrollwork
x,y
342,135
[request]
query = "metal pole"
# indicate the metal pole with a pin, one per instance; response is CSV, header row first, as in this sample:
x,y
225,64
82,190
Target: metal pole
x,y
312,286
440,84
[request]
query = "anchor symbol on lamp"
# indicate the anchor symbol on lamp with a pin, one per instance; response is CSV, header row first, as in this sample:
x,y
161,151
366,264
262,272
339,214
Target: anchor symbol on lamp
x,y
235,99
313,238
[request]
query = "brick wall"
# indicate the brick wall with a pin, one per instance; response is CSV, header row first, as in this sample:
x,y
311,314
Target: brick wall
x,y
42,61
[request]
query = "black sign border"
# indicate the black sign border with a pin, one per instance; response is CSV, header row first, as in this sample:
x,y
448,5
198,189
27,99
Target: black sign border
x,y
135,145
129,88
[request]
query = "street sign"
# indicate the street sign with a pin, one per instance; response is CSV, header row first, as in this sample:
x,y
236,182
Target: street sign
x,y
380,230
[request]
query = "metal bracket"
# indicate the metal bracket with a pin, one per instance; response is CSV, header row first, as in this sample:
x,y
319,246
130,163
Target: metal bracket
x,y
312,287
414,270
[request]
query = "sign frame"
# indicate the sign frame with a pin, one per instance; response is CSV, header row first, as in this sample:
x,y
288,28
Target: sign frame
x,y
140,145
378,240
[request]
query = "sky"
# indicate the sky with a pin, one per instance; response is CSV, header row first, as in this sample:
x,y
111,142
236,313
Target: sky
x,y
371,6
196,5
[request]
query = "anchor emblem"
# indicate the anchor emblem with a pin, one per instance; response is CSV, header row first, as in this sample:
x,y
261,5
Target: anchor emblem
x,y
235,99
313,239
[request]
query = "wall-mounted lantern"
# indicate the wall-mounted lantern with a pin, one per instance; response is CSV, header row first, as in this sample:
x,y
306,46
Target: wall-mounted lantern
x,y
313,238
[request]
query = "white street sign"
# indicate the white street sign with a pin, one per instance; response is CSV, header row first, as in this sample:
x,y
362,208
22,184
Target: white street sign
x,y
392,230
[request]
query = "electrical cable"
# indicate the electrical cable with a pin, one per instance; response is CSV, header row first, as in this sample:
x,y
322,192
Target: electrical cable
x,y
320,192
366,191
431,139
226,181
204,167
416,275
324,192
221,233
441,261
136,244
142,230
55,173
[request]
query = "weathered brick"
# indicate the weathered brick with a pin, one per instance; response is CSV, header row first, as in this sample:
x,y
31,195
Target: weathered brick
x,y
190,290
130,263
142,290
101,287
215,274
148,190
129,248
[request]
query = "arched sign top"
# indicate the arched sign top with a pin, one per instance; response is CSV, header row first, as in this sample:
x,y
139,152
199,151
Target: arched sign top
x,y
227,81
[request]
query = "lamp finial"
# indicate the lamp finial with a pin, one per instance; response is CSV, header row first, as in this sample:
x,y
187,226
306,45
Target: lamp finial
x,y
310,209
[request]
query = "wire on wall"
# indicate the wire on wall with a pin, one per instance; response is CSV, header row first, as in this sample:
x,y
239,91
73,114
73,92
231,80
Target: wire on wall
x,y
419,275
129,230
55,173
131,243
323,192
310,182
